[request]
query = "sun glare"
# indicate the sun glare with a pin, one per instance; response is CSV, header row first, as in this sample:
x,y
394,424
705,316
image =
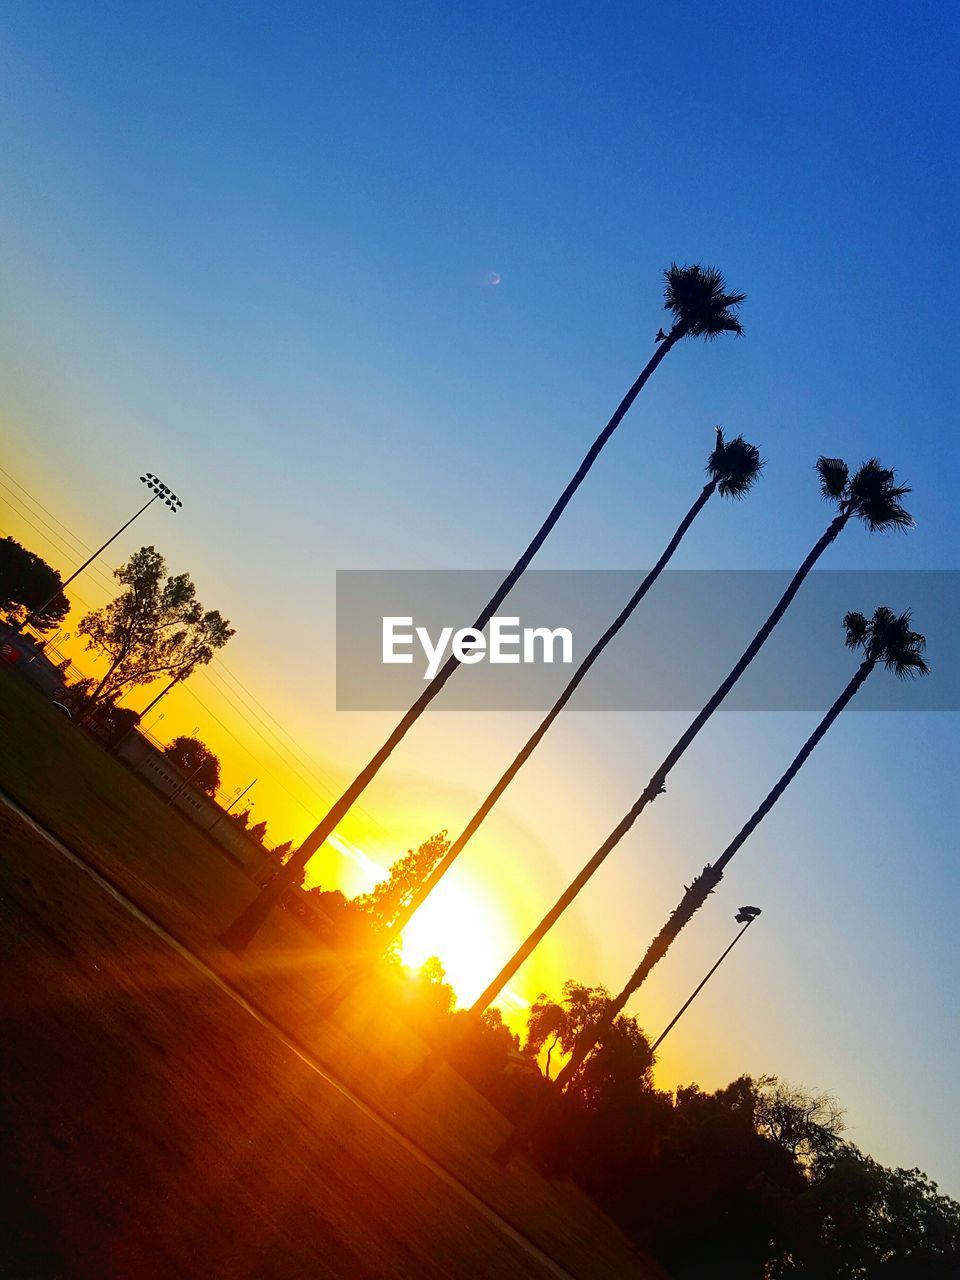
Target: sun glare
x,y
468,933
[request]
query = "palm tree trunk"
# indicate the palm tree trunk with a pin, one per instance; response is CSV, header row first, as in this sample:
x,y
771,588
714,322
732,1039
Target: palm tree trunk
x,y
708,879
239,935
352,980
656,785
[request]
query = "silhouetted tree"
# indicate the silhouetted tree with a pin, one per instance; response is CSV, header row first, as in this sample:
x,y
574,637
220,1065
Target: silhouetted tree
x,y
701,307
196,761
546,1026
27,583
435,993
808,1125
155,627
872,496
405,877
258,831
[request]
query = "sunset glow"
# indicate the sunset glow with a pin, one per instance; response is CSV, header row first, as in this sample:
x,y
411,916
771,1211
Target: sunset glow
x,y
462,926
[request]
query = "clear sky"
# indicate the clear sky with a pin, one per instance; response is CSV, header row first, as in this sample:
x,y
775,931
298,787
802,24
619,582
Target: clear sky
x,y
250,247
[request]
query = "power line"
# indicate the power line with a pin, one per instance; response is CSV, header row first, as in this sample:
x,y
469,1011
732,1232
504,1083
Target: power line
x,y
37,503
329,782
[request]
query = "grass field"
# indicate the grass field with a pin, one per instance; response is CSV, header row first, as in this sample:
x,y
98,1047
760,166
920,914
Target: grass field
x,y
158,1129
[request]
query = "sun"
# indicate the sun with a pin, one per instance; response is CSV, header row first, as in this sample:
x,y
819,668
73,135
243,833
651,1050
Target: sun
x,y
461,925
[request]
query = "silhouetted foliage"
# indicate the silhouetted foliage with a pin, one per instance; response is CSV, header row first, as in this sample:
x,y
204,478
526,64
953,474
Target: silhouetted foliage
x,y
701,306
195,761
405,877
546,1027
871,494
26,584
751,1182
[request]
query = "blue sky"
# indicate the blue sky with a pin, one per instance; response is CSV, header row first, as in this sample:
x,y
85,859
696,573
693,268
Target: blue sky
x,y
251,250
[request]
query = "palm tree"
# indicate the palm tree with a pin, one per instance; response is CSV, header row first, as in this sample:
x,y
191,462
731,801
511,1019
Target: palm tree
x,y
887,640
733,468
871,495
697,298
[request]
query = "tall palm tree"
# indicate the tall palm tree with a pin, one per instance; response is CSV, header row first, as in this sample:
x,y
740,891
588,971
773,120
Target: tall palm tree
x,y
871,495
701,307
887,639
733,467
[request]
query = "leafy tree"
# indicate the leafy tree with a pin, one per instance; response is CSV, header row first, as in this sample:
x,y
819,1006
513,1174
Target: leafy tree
x,y
196,761
872,496
282,851
386,899
546,1025
697,298
29,589
435,992
242,819
856,1220
258,831
156,626
808,1126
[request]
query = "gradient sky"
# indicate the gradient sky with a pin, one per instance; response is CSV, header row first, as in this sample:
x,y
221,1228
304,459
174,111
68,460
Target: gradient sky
x,y
251,248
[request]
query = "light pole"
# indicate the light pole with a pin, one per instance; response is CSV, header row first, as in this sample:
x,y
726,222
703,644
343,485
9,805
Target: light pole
x,y
744,917
159,491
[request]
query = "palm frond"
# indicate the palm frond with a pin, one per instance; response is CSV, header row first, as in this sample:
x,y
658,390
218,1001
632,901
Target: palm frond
x,y
735,465
894,643
715,461
833,473
875,497
857,629
699,300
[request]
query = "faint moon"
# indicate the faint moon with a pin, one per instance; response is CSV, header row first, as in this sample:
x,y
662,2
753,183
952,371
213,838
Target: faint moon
x,y
495,277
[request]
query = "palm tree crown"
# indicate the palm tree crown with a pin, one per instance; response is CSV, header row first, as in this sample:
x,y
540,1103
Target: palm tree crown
x,y
887,638
701,306
734,465
871,493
